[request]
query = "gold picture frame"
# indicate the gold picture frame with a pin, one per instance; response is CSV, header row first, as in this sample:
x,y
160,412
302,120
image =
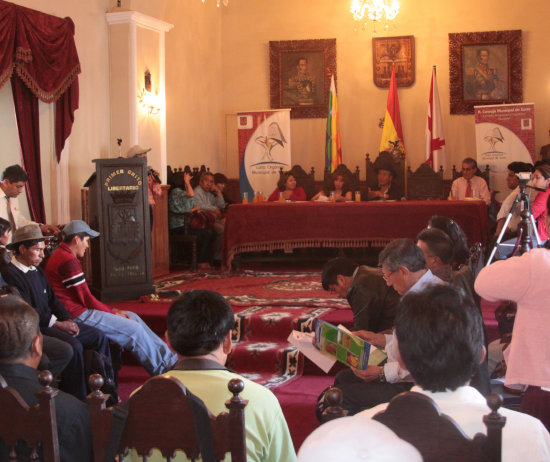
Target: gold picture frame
x,y
300,76
389,51
484,68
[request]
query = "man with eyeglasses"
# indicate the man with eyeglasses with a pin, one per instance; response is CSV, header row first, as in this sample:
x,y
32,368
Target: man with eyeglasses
x,y
404,268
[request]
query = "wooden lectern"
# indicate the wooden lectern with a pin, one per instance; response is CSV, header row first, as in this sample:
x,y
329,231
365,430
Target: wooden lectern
x,y
119,210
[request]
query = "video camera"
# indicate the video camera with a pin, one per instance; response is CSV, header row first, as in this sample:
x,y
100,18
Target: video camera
x,y
524,177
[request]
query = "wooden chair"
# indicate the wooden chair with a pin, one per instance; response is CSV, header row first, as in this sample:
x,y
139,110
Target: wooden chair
x,y
178,239
416,418
36,425
303,179
160,416
424,183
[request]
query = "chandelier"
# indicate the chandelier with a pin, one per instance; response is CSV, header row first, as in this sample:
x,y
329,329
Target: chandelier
x,y
220,2
375,10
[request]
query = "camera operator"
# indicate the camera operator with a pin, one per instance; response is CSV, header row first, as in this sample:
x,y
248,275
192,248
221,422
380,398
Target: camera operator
x,y
512,181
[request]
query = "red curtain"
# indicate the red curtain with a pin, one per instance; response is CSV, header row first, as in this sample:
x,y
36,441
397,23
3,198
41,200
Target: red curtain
x,y
38,53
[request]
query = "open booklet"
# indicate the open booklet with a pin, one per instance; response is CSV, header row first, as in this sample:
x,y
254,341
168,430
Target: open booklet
x,y
342,346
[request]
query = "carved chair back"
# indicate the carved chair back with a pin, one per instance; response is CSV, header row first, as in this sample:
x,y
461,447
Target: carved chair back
x,y
35,426
160,416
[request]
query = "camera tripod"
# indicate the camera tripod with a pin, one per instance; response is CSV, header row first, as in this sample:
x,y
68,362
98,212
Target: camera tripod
x,y
527,227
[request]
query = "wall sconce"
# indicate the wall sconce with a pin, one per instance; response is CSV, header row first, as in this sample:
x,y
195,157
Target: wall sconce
x,y
149,100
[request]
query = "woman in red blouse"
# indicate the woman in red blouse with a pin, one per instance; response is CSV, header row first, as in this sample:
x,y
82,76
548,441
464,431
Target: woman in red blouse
x,y
286,187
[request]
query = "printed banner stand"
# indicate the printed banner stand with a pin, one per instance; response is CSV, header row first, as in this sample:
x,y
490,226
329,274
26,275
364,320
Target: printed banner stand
x,y
505,133
264,148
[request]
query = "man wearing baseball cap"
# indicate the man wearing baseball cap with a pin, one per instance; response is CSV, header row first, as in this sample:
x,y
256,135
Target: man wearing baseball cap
x,y
55,321
125,328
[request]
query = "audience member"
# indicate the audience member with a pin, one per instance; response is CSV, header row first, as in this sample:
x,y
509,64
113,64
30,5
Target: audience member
x,y
541,179
209,198
55,321
180,201
287,189
470,185
373,303
461,251
12,184
440,337
220,182
438,251
404,268
153,179
385,188
64,273
56,353
523,280
5,237
199,330
338,191
512,181
343,440
20,352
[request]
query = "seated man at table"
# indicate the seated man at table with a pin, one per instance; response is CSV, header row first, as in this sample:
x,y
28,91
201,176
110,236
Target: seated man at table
x,y
373,302
210,198
385,188
199,326
470,185
440,341
20,353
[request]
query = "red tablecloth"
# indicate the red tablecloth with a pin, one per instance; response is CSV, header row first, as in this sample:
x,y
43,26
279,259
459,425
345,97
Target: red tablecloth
x,y
284,225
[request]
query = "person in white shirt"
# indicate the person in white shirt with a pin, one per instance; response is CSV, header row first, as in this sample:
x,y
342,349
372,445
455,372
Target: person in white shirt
x,y
440,336
469,185
11,186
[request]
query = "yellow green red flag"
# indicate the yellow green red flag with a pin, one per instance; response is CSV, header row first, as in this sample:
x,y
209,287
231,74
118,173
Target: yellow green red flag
x,y
333,148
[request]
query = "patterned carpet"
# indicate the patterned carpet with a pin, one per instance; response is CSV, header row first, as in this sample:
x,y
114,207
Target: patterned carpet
x,y
274,304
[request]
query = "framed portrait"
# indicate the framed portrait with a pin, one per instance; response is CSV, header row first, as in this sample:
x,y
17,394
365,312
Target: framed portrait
x,y
300,76
389,51
484,68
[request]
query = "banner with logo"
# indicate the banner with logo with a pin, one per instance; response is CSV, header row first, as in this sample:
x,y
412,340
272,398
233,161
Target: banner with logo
x,y
505,133
264,148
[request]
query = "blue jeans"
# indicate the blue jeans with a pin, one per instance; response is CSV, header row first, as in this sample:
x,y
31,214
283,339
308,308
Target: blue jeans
x,y
133,335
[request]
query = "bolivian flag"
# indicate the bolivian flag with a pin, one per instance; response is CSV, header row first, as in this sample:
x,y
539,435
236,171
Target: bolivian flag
x,y
392,134
333,148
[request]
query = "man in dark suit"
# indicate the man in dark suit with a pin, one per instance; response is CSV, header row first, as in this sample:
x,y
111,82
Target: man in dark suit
x,y
20,353
373,302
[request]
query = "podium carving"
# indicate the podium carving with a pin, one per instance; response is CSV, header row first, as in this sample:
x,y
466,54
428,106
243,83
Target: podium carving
x,y
119,210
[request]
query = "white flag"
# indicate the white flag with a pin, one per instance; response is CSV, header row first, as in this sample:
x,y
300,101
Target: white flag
x,y
435,139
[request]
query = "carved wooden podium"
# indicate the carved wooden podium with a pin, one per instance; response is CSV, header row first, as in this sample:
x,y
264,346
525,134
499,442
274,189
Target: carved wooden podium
x,y
119,210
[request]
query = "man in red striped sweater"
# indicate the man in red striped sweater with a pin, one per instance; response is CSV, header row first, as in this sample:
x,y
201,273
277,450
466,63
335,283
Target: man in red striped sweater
x,y
125,328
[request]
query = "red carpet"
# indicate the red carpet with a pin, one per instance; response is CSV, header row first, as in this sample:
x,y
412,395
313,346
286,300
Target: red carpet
x,y
267,306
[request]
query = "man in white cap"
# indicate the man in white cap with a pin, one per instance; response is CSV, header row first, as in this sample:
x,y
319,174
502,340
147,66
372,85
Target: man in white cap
x,y
125,328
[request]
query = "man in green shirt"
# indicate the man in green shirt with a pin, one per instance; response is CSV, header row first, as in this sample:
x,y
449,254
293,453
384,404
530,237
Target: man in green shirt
x,y
199,331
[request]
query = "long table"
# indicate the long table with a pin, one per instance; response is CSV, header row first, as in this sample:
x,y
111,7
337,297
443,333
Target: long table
x,y
286,225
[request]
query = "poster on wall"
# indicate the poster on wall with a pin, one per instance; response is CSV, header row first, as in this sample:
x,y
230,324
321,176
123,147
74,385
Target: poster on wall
x,y
264,148
504,133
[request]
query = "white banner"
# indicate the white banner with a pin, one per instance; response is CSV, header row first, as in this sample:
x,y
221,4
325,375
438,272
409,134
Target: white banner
x,y
264,148
505,133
